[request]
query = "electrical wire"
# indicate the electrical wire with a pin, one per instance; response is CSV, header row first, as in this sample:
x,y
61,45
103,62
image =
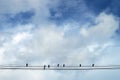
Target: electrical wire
x,y
61,67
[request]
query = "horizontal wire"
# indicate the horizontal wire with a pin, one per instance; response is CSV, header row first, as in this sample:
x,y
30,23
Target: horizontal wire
x,y
59,69
44,67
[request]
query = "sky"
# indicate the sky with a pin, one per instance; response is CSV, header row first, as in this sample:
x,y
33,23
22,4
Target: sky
x,y
70,32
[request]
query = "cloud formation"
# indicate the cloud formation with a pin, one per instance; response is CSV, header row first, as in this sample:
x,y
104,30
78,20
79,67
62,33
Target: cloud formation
x,y
42,41
48,45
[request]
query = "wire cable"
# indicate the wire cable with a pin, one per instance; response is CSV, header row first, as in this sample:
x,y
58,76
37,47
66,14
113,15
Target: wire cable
x,y
61,67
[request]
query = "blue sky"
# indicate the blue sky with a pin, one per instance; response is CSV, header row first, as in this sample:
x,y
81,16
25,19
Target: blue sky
x,y
60,31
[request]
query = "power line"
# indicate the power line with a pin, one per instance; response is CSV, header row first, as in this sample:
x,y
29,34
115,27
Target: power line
x,y
60,67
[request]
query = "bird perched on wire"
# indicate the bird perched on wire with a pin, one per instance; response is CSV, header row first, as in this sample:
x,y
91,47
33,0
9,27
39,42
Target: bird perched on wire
x,y
26,64
93,65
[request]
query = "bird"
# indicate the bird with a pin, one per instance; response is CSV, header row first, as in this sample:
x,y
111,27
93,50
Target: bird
x,y
93,65
44,67
48,66
63,65
26,64
58,65
80,65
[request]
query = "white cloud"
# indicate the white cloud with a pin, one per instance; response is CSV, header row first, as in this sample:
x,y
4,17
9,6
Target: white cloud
x,y
105,28
52,42
17,38
16,6
48,43
39,7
